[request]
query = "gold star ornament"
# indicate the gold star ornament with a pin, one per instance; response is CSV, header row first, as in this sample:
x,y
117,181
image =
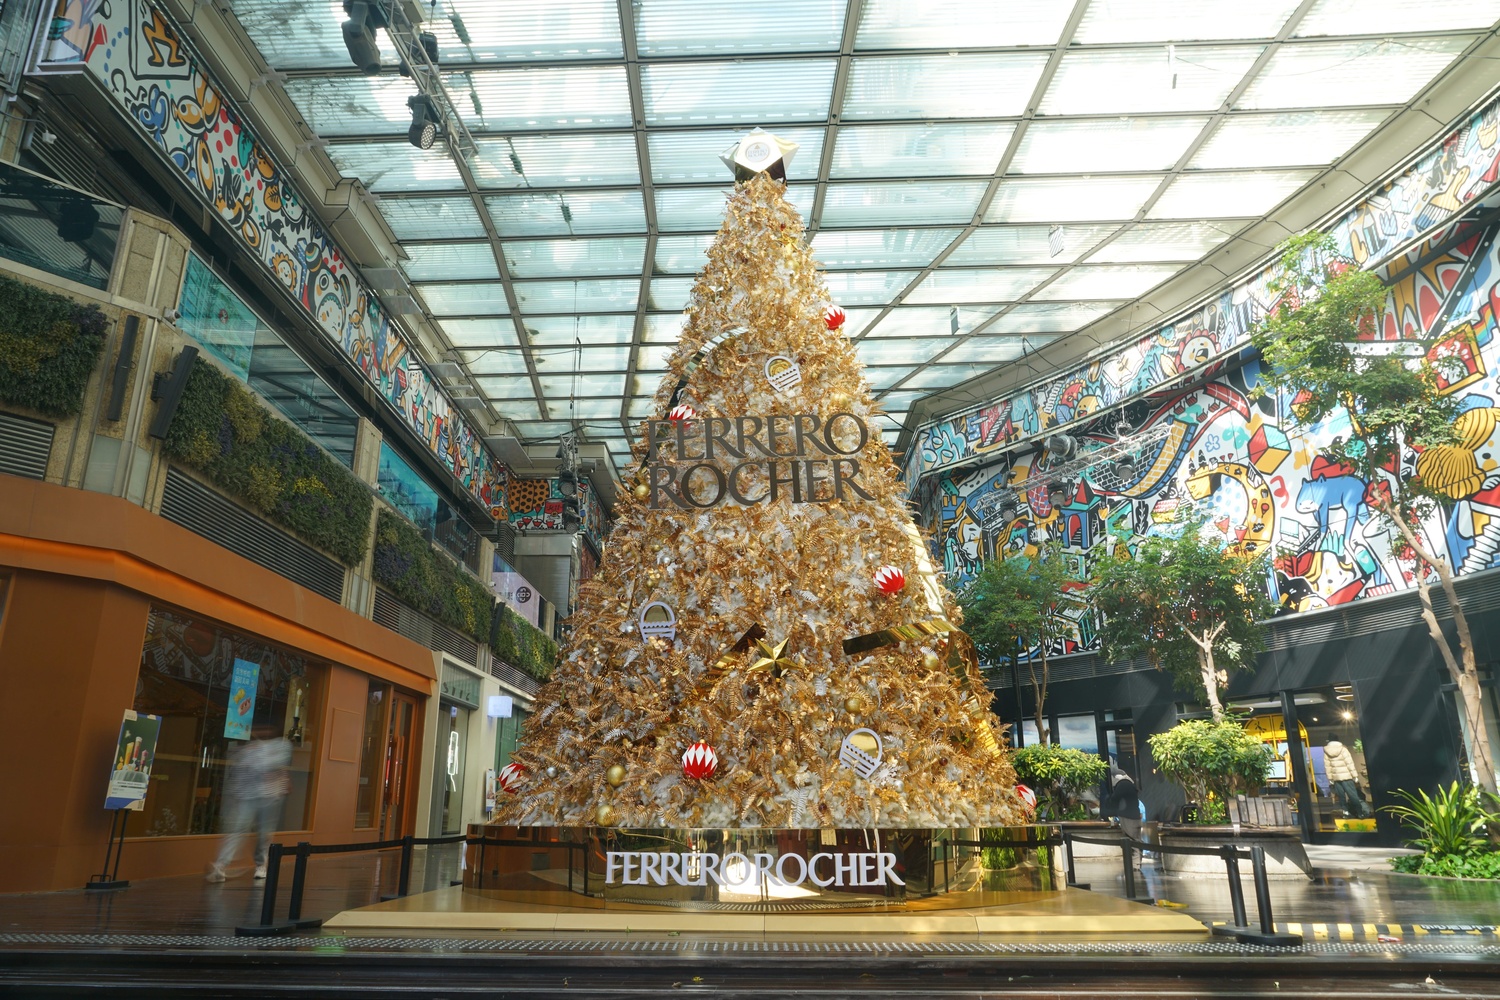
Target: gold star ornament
x,y
773,659
760,152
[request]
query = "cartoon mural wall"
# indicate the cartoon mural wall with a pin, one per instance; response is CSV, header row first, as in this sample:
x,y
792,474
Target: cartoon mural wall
x,y
139,58
537,505
1451,175
1211,452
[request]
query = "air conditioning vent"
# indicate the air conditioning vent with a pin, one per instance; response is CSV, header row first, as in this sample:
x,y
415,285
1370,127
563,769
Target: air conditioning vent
x,y
505,541
510,675
423,629
200,510
25,446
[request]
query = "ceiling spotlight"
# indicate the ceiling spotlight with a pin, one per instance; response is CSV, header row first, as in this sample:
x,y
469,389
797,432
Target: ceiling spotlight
x,y
426,44
359,35
571,514
1061,445
426,123
1057,494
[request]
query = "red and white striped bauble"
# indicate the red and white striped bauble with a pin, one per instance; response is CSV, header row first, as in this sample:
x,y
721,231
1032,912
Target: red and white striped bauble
x,y
1028,798
889,579
699,761
834,317
682,411
512,777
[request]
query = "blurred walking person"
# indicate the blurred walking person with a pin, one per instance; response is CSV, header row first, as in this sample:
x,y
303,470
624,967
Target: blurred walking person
x,y
257,784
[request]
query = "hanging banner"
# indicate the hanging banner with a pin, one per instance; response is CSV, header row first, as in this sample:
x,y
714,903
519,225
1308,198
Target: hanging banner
x,y
130,771
241,713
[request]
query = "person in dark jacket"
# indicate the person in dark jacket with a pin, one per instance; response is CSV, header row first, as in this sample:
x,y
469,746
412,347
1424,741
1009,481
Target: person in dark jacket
x,y
1122,802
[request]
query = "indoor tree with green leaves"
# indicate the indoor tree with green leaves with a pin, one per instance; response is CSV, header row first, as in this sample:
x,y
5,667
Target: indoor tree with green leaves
x,y
1187,605
1011,607
1396,428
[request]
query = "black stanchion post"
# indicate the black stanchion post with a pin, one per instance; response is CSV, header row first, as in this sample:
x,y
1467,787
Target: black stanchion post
x,y
1129,870
1266,934
1073,882
299,880
1231,856
403,878
268,924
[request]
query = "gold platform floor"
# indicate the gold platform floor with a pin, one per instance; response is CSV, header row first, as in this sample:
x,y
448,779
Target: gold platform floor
x,y
1065,915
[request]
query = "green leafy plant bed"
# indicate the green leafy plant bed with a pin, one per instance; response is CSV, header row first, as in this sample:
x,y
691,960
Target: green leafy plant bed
x,y
49,346
522,645
1482,866
222,430
1451,832
408,566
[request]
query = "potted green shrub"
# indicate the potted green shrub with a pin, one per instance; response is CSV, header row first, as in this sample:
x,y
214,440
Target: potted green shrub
x,y
1211,761
1059,776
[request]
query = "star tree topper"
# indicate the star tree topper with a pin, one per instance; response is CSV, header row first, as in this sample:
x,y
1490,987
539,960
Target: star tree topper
x,y
773,659
760,152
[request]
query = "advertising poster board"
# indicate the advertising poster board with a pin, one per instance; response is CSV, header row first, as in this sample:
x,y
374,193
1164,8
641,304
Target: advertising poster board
x,y
241,713
130,769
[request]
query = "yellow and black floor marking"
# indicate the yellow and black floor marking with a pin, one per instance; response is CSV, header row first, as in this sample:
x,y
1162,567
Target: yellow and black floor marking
x,y
1381,932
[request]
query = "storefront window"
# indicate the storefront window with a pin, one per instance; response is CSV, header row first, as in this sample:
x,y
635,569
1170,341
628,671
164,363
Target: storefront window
x,y
405,489
1335,754
453,747
371,756
1077,732
212,686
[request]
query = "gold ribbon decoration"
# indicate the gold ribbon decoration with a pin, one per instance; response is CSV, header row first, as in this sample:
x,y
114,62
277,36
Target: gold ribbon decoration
x,y
714,674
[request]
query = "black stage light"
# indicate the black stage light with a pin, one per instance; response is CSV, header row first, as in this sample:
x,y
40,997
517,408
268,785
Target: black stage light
x,y
359,36
1057,494
572,514
425,121
1061,445
428,44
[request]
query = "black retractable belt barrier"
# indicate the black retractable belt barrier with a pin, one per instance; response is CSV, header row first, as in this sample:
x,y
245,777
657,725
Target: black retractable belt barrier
x,y
1240,930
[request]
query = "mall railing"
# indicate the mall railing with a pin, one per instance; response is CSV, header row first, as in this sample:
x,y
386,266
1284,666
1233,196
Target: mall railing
x,y
1232,855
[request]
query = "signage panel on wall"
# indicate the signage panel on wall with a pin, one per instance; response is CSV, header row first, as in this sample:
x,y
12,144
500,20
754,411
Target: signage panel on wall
x,y
242,685
130,769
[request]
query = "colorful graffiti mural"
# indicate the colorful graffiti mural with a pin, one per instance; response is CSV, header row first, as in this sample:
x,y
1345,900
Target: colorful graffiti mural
x,y
537,504
138,56
1243,466
1451,175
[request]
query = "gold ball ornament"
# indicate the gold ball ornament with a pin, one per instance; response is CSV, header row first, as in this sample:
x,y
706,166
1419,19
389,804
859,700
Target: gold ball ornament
x,y
641,491
615,775
930,660
604,815
854,704
841,402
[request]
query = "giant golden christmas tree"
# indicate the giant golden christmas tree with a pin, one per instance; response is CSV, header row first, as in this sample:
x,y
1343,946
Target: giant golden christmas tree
x,y
748,654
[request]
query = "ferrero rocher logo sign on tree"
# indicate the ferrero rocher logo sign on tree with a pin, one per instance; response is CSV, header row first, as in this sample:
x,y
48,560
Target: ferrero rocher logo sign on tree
x,y
766,643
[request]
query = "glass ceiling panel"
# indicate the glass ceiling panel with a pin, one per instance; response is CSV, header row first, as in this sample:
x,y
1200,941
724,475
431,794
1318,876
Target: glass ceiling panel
x,y
692,27
900,350
457,262
1153,241
541,97
678,157
702,208
1174,21
918,150
552,331
952,24
300,35
884,378
464,300
866,288
1082,199
557,258
577,296
500,332
765,91
1039,318
353,105
653,357
901,398
976,85
586,409
505,387
545,430
901,202
1107,281
386,167
926,321
556,387
519,409
568,213
1222,195
944,376
670,294
1381,71
497,362
432,218
682,254
556,161
613,358
1104,145
1026,245
979,285
1350,17
664,328
1288,139
881,247
989,350
1140,81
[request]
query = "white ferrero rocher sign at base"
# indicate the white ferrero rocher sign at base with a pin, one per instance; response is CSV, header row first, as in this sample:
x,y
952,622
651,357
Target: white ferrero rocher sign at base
x,y
695,868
